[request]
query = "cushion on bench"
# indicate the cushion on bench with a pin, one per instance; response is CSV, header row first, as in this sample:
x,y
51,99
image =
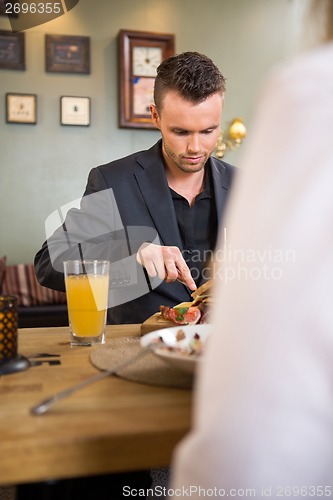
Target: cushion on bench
x,y
20,280
38,306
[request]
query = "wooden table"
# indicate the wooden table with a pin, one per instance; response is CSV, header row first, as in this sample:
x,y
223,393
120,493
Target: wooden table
x,y
111,426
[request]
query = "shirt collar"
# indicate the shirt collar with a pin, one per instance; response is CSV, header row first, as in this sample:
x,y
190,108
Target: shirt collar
x,y
208,185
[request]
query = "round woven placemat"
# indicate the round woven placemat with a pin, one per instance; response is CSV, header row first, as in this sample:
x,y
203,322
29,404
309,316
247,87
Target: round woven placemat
x,y
150,369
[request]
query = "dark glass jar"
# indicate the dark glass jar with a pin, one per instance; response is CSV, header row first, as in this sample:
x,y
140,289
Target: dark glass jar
x,y
8,327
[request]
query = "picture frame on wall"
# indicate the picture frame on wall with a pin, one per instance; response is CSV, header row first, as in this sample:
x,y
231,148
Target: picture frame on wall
x,y
75,111
67,54
12,50
6,8
3,8
21,108
140,53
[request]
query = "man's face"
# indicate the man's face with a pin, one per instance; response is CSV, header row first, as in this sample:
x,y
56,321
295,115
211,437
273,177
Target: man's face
x,y
189,131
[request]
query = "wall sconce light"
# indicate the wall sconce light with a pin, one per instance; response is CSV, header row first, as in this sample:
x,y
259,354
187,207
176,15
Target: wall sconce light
x,y
234,137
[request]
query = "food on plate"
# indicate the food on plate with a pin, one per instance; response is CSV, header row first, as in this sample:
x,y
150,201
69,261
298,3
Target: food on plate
x,y
181,315
190,313
183,345
180,335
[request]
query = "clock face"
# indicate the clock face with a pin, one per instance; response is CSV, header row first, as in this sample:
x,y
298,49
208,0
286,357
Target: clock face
x,y
146,60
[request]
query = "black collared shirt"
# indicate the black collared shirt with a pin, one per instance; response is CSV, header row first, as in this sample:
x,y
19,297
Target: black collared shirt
x,y
198,229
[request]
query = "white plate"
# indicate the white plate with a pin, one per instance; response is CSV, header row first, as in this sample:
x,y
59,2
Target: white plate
x,y
183,361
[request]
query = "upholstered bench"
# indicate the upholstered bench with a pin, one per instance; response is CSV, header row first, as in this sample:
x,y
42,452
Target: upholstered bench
x,y
37,306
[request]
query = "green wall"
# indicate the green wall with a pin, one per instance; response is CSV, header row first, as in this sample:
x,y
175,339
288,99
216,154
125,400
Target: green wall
x,y
44,166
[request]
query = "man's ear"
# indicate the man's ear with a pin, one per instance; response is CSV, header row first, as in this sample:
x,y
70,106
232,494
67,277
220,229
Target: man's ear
x,y
155,116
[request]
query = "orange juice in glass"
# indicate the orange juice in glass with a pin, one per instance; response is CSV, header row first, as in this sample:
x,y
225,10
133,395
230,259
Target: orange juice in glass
x,y
87,287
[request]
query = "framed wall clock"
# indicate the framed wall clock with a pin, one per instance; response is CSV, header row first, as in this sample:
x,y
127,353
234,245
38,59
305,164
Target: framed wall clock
x,y
140,53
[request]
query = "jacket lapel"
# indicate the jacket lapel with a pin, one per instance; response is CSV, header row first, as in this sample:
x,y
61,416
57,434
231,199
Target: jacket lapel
x,y
221,182
155,190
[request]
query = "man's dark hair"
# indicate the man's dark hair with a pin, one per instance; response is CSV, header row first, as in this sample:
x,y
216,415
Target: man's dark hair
x,y
194,76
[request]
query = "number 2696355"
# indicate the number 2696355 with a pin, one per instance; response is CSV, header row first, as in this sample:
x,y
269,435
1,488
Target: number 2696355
x,y
33,8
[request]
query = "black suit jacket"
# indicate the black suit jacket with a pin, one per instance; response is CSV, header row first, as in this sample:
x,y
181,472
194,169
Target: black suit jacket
x,y
137,188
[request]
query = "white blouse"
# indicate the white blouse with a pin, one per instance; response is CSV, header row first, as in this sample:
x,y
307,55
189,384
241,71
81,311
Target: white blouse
x,y
263,417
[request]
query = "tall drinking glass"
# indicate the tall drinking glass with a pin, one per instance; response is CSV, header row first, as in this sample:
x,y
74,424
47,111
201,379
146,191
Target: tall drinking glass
x,y
87,287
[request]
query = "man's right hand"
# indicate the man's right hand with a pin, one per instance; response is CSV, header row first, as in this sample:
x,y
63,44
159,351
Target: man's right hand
x,y
165,262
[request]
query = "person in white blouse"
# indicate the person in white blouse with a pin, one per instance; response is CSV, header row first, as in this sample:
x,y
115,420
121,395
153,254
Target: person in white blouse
x,y
263,412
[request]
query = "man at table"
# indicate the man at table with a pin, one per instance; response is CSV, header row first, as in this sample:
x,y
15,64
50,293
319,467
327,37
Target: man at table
x,y
154,214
